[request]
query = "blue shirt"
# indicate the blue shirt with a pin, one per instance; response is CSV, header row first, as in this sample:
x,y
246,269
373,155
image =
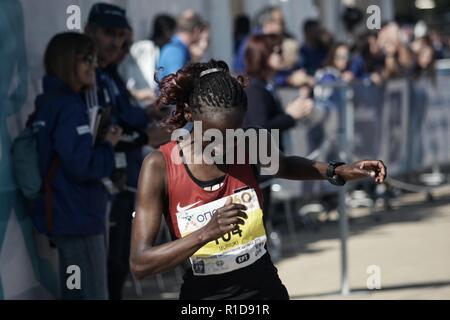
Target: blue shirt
x,y
173,57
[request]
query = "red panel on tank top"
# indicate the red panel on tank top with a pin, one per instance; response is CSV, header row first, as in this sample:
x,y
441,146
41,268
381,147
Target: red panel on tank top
x,y
183,192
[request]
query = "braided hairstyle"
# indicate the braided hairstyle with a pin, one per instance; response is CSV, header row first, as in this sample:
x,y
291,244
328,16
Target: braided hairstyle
x,y
212,92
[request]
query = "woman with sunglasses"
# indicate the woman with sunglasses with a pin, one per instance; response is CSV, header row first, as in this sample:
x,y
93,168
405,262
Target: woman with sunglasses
x,y
73,163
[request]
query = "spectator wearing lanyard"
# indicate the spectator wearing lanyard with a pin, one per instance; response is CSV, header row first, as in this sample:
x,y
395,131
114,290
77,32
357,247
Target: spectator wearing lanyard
x,y
110,29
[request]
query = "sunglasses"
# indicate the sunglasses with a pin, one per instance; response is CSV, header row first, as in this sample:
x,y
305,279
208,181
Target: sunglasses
x,y
89,60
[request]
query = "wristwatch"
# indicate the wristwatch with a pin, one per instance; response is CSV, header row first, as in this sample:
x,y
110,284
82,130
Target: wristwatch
x,y
332,177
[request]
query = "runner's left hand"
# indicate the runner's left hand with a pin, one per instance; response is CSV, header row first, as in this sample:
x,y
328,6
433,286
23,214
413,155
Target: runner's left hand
x,y
363,169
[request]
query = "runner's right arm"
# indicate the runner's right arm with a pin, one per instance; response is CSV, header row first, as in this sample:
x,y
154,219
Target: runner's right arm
x,y
147,259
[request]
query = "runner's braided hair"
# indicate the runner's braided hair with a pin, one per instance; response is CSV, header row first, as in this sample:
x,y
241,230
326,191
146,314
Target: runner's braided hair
x,y
204,88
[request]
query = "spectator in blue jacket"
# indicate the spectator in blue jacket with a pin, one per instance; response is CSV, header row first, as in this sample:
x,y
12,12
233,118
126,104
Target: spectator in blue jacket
x,y
113,36
108,26
175,54
67,146
134,138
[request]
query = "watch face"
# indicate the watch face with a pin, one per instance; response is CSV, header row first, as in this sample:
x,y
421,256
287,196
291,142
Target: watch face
x,y
332,177
330,171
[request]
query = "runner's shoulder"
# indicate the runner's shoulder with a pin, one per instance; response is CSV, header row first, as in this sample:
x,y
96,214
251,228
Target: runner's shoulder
x,y
154,163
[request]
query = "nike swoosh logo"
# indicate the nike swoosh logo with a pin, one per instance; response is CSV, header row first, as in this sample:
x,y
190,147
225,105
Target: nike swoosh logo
x,y
183,209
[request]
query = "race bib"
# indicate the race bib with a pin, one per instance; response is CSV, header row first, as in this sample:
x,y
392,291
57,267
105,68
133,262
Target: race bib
x,y
236,249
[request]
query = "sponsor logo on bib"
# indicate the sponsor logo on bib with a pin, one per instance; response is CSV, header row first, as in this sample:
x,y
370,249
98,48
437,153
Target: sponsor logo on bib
x,y
234,250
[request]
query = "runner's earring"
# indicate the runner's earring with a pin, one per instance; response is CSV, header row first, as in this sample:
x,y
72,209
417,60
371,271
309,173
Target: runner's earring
x,y
187,114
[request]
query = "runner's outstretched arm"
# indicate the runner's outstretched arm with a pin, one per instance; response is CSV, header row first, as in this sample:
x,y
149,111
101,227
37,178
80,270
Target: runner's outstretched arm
x,y
299,168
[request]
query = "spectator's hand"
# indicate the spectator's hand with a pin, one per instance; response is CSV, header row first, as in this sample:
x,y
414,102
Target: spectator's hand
x,y
300,78
113,135
305,92
300,108
347,76
363,169
376,78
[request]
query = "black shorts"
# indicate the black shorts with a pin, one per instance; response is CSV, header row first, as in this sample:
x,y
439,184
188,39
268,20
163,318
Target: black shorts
x,y
259,281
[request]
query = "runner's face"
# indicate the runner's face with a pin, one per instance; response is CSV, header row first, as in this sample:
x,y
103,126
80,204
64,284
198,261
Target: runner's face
x,y
220,121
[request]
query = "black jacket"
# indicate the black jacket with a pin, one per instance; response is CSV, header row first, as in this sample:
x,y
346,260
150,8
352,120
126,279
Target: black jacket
x,y
264,108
